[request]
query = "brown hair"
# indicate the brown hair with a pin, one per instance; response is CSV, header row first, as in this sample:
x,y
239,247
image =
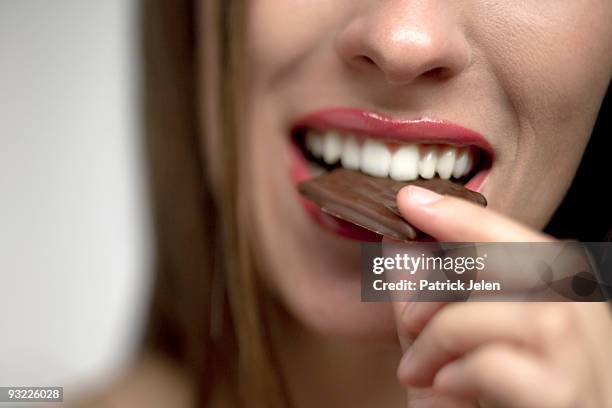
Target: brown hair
x,y
215,331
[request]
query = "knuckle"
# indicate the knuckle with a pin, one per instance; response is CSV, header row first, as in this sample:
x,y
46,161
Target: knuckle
x,y
407,322
450,332
566,396
552,322
480,366
444,332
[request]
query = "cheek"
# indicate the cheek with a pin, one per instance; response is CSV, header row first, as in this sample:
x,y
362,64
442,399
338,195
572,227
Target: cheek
x,y
553,58
282,34
275,32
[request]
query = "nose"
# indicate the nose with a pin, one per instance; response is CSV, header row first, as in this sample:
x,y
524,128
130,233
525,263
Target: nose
x,y
404,40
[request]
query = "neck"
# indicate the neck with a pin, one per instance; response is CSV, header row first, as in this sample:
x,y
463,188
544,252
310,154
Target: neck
x,y
324,372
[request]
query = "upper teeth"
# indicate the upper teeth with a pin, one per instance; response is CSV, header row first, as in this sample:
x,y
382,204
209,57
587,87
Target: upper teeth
x,y
404,163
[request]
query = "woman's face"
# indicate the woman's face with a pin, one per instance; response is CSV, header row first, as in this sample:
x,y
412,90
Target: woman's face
x,y
523,79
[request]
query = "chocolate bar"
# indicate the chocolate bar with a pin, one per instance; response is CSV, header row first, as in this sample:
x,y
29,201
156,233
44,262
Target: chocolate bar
x,y
370,201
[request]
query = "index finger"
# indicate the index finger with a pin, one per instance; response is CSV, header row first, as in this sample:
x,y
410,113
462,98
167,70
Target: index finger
x,y
412,317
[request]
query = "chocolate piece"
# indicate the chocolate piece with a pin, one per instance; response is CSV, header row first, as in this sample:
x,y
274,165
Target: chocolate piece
x,y
370,201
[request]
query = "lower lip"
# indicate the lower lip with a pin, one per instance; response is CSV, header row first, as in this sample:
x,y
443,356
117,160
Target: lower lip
x,y
477,182
300,172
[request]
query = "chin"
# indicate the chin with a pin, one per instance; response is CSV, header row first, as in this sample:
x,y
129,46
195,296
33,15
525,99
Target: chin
x,y
343,316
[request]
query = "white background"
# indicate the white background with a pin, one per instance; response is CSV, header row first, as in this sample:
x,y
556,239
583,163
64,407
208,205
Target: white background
x,y
74,247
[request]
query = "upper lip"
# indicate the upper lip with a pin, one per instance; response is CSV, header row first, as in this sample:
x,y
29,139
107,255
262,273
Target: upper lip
x,y
376,125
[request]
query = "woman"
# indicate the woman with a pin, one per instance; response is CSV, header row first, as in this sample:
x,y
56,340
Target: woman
x,y
257,299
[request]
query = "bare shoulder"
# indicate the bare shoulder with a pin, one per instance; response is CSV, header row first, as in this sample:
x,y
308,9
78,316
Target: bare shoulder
x,y
153,382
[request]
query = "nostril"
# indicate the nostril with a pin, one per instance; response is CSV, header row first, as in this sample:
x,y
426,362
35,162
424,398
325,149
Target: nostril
x,y
367,60
438,73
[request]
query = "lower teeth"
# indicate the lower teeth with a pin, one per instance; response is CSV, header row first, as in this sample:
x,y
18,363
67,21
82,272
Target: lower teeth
x,y
315,169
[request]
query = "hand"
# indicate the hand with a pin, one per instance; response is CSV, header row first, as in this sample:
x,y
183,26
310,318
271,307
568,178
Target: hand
x,y
519,355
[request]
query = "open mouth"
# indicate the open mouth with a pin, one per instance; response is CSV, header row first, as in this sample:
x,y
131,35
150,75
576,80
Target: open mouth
x,y
402,150
326,150
383,147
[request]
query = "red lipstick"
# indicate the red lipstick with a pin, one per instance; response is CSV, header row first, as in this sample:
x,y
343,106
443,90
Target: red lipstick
x,y
375,125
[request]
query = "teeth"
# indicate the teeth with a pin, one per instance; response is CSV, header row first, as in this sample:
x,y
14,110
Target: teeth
x,y
462,166
351,154
375,159
446,162
314,144
404,163
332,147
407,162
427,162
315,169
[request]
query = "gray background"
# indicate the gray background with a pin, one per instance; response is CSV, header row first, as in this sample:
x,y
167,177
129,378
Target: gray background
x,y
74,246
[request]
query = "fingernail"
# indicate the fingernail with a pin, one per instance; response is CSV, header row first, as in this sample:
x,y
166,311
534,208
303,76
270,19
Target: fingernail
x,y
422,196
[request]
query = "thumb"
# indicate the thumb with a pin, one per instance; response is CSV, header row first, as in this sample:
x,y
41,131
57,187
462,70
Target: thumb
x,y
453,219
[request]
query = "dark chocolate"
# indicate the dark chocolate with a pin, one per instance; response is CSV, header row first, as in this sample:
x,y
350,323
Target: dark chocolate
x,y
370,201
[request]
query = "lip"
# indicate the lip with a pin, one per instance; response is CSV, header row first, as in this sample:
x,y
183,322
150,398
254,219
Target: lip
x,y
379,126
